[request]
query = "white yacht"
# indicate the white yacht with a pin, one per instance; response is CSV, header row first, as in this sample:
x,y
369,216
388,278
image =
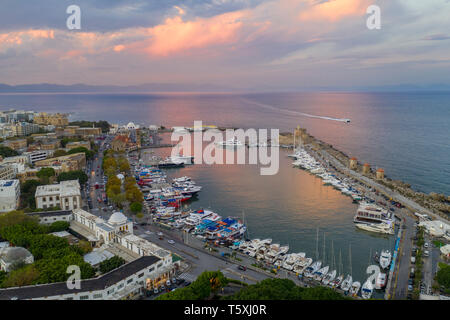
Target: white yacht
x,y
380,283
309,271
230,143
367,289
385,259
371,214
373,227
302,264
291,259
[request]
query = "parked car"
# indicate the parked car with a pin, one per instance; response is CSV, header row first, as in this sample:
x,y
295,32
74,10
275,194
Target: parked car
x,y
155,291
171,241
413,260
426,253
410,287
426,245
243,268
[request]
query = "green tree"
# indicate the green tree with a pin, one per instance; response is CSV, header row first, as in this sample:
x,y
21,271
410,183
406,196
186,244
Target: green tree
x,y
45,174
136,207
59,226
7,152
89,153
27,192
59,153
73,175
111,264
22,277
443,277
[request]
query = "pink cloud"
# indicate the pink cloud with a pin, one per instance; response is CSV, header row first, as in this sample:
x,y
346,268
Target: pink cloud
x,y
334,10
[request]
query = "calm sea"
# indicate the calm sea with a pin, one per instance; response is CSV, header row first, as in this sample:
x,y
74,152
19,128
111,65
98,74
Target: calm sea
x,y
406,134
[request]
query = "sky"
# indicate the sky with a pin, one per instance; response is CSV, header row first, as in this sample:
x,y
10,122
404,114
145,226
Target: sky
x,y
231,43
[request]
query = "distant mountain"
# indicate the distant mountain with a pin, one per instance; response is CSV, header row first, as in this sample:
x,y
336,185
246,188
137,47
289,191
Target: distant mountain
x,y
179,87
79,87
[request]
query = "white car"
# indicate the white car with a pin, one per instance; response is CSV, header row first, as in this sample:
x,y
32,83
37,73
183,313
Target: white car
x,y
426,245
171,241
160,234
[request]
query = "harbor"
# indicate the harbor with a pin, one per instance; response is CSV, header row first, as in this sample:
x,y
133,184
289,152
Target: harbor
x,y
335,237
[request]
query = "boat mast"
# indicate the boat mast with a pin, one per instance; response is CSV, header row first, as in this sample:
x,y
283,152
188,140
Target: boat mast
x,y
294,142
317,244
350,257
333,262
323,251
340,262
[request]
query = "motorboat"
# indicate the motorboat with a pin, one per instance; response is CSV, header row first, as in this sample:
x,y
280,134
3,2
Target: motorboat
x,y
309,271
385,259
302,264
381,280
379,228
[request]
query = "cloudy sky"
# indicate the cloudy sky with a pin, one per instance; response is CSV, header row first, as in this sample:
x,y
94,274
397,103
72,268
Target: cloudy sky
x,y
235,43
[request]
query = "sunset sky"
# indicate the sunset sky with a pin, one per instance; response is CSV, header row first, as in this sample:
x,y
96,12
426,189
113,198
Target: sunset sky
x,y
235,43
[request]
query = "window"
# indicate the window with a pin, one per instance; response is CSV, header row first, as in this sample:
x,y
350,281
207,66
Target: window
x,y
140,275
120,286
151,269
129,280
84,297
98,296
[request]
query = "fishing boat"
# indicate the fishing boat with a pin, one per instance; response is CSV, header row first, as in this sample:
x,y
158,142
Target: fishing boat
x,y
367,289
385,259
329,277
381,280
355,288
347,283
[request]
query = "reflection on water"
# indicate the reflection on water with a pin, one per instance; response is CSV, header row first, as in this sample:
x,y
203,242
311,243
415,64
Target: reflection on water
x,y
287,207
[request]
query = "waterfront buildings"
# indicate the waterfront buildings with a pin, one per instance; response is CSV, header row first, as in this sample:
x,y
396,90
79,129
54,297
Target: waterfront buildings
x,y
9,195
65,195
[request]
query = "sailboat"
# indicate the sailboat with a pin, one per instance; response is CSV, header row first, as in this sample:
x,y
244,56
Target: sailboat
x,y
367,289
319,274
355,288
347,283
329,277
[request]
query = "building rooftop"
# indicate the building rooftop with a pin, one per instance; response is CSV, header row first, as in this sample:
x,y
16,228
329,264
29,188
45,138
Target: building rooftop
x,y
8,183
64,189
96,284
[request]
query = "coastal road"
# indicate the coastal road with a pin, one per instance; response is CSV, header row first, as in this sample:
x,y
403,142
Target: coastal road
x,y
404,259
393,194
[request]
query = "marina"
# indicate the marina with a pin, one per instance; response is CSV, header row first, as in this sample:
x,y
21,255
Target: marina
x,y
199,215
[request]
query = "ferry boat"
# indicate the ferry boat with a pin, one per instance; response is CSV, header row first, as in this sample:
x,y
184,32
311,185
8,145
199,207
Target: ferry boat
x,y
178,158
368,213
168,163
385,259
381,280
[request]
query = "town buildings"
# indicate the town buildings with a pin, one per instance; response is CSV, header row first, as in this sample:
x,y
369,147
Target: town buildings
x,y
55,119
65,195
71,162
9,195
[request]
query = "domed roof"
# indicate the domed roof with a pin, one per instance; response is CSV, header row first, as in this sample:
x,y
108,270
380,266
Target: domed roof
x,y
117,218
15,254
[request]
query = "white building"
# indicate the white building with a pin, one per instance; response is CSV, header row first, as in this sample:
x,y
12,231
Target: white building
x,y
38,155
53,216
9,195
12,256
127,281
7,171
65,195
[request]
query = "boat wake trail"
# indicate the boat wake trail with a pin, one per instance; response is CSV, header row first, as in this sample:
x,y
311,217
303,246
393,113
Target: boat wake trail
x,y
295,113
